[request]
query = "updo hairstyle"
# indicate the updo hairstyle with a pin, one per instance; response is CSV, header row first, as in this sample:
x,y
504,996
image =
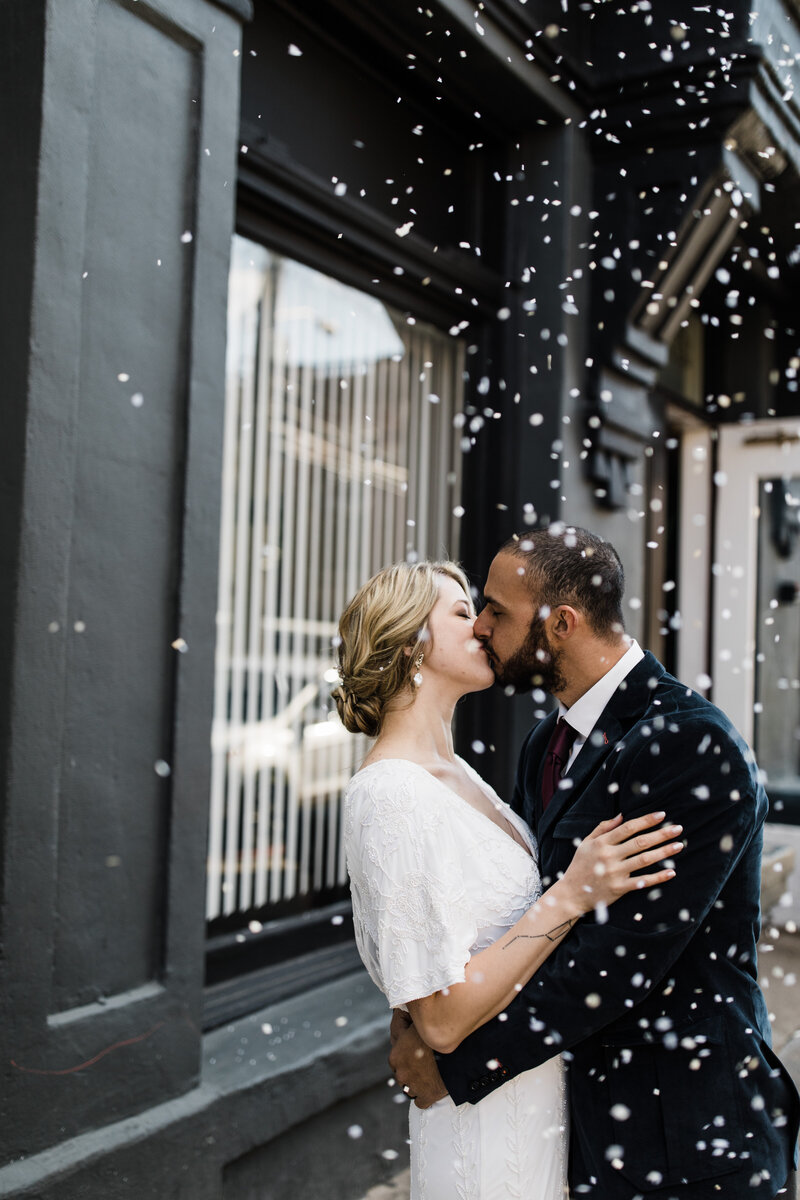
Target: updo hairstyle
x,y
386,618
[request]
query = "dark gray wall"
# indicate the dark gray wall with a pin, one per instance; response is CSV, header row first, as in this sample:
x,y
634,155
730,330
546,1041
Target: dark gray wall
x,y
122,143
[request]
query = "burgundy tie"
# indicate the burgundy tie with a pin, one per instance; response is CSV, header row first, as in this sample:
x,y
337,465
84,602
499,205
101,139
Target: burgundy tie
x,y
556,759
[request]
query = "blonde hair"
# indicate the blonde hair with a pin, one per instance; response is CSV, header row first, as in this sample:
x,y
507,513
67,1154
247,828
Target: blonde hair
x,y
386,618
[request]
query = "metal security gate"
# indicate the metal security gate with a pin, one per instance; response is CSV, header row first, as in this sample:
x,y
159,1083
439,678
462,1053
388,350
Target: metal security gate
x,y
342,454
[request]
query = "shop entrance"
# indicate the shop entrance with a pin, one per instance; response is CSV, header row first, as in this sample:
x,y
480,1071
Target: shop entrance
x,y
755,597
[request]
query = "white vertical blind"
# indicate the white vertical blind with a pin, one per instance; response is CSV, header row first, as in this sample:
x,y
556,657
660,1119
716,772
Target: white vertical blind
x,y
340,456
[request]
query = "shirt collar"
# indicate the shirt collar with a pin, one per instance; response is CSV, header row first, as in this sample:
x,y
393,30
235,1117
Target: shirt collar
x,y
584,714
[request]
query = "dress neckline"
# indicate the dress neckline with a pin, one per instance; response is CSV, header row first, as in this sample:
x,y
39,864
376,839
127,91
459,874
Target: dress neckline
x,y
409,762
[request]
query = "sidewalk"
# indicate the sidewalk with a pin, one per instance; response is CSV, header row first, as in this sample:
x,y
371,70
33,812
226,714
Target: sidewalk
x,y
779,976
779,957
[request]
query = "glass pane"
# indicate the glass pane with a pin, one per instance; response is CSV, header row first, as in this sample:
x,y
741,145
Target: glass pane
x,y
777,709
341,455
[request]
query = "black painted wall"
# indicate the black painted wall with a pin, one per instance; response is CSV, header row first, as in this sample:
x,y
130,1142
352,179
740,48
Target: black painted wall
x,y
116,221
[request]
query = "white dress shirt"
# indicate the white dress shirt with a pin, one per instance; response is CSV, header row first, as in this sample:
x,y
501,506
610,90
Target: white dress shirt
x,y
584,714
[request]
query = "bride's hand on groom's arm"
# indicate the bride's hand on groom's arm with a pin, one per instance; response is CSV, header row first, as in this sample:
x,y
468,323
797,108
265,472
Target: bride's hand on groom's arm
x,y
413,1064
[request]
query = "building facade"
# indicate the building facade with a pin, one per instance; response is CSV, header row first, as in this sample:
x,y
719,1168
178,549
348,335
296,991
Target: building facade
x,y
293,291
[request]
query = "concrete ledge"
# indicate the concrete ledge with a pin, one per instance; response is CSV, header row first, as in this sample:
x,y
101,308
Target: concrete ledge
x,y
243,9
397,1189
790,1057
777,864
315,1063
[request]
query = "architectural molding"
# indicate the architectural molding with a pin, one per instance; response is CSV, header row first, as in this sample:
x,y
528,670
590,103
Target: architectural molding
x,y
270,180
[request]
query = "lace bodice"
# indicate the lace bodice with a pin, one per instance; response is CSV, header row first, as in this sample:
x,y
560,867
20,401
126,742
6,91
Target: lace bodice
x,y
432,879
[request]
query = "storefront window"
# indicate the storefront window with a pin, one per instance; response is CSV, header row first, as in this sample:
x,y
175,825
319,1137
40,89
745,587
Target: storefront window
x,y
777,703
341,455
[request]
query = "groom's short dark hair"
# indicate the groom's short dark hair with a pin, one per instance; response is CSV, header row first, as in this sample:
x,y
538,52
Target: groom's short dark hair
x,y
565,564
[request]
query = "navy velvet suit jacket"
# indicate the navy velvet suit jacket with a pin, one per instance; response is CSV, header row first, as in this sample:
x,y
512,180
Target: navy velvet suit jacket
x,y
674,1089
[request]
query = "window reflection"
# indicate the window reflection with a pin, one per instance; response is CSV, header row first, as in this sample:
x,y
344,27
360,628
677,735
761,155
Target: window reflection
x,y
340,455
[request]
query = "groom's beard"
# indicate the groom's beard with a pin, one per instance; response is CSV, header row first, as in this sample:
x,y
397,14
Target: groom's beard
x,y
535,664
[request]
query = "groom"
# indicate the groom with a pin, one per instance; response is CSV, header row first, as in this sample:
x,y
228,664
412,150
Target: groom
x,y
675,1093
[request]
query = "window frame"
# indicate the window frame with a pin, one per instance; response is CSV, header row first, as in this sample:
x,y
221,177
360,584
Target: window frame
x,y
246,969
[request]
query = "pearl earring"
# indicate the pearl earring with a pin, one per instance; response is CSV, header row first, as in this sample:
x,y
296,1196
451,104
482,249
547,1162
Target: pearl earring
x,y
417,680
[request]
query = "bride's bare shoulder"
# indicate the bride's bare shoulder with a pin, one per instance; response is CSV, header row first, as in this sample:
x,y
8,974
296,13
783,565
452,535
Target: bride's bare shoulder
x,y
371,758
389,753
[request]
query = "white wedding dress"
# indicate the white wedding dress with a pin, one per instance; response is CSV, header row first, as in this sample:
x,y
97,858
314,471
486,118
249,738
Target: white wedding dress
x,y
434,880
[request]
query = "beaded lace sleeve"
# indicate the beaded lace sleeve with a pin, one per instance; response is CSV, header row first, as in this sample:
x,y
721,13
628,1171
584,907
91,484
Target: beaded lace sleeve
x,y
414,926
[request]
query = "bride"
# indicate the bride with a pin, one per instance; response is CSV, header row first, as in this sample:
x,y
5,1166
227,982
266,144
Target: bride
x,y
449,913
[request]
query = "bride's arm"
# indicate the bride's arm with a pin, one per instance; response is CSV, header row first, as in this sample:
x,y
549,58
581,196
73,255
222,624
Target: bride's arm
x,y
600,873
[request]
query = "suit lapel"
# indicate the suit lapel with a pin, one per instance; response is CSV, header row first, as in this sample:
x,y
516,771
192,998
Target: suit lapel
x,y
600,743
627,704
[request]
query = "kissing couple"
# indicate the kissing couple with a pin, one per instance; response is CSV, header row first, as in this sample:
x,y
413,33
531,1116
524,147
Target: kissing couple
x,y
573,975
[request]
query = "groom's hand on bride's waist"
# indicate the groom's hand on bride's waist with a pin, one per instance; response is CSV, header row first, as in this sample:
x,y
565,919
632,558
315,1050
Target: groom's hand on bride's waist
x,y
413,1064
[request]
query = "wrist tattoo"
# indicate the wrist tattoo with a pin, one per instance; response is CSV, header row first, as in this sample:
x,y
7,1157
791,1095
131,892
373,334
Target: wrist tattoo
x,y
552,935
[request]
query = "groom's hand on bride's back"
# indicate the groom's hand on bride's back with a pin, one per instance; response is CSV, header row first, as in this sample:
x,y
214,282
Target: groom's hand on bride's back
x,y
400,1023
413,1064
